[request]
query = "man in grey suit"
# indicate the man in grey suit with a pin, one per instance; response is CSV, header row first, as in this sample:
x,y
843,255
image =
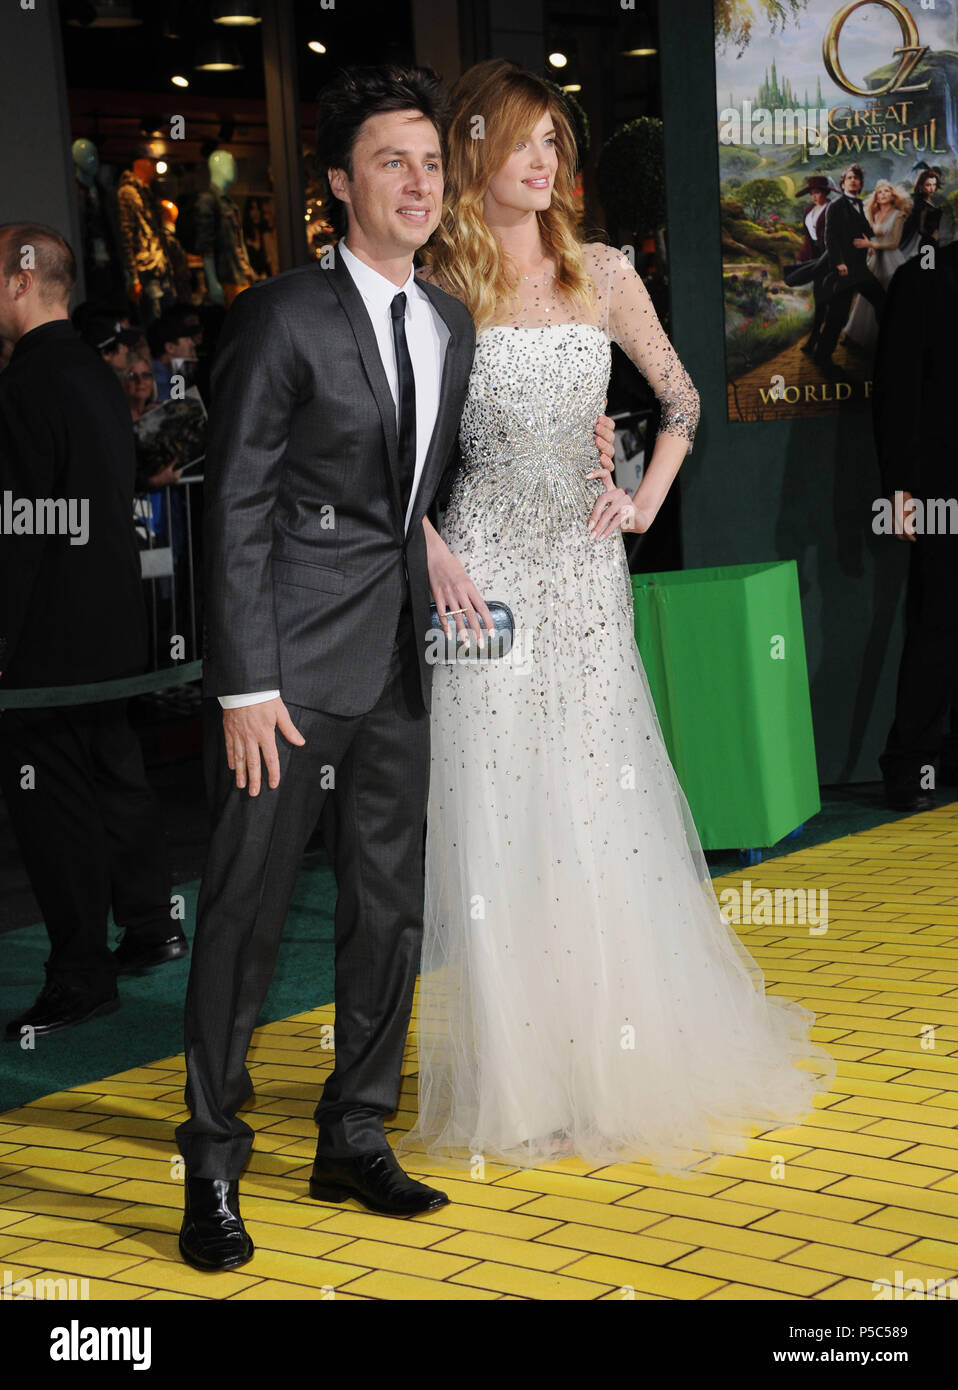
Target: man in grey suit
x,y
337,395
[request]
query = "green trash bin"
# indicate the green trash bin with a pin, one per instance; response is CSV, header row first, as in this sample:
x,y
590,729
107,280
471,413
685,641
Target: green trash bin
x,y
724,652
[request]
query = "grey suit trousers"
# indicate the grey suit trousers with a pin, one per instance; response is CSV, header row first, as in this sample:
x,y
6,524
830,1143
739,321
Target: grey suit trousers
x,y
372,821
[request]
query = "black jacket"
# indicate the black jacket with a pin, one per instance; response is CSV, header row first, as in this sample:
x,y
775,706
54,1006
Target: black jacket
x,y
812,262
69,613
844,221
813,246
914,378
307,563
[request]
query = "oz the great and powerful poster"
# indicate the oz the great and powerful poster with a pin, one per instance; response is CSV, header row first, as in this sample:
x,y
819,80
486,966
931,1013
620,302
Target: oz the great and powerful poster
x,y
838,156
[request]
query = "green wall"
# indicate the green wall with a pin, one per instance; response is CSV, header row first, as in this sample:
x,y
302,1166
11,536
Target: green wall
x,y
799,490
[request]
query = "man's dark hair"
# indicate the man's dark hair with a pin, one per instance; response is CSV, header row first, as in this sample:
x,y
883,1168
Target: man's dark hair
x,y
168,328
54,262
350,99
855,169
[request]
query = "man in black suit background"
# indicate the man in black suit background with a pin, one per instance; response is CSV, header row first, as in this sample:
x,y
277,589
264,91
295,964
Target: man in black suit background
x,y
916,368
72,613
846,236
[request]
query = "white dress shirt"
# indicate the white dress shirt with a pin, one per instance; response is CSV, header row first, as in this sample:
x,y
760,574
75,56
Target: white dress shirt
x,y
812,216
426,337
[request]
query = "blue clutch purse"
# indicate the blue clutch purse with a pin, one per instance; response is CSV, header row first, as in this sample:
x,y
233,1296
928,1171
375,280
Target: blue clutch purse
x,y
461,646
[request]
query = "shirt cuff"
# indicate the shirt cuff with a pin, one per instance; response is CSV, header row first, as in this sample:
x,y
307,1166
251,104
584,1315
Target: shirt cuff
x,y
237,701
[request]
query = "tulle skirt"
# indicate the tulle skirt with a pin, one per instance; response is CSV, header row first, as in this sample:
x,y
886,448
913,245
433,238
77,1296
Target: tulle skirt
x,y
580,991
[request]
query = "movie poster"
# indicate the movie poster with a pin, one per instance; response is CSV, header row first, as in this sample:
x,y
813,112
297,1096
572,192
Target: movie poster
x,y
838,158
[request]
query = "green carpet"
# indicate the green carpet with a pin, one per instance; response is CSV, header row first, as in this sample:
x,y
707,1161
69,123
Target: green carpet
x,y
149,1025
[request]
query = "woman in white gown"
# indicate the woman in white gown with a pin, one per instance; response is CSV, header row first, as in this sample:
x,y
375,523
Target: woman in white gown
x,y
580,991
886,210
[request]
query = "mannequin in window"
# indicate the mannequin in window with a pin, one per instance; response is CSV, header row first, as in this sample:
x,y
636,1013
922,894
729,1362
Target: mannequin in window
x,y
99,227
179,265
219,233
144,240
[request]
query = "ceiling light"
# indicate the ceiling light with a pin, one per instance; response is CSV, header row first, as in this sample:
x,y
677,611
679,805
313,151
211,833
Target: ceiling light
x,y
316,46
558,60
161,166
218,55
179,81
639,52
235,13
573,87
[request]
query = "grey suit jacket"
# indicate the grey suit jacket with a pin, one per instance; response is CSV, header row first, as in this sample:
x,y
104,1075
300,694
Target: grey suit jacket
x,y
306,559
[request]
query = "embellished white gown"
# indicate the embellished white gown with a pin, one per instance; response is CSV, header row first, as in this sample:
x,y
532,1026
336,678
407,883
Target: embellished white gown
x,y
580,991
862,325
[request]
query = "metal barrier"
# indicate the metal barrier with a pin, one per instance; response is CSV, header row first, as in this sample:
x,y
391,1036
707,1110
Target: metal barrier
x,y
169,564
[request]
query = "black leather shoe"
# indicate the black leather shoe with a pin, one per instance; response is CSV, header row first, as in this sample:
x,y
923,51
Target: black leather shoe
x,y
376,1180
60,1006
132,955
909,799
213,1235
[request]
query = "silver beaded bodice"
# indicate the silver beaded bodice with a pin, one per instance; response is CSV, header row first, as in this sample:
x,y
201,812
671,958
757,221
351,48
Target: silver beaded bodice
x,y
527,428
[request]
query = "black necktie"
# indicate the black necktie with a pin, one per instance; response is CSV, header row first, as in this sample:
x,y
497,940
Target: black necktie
x,y
406,388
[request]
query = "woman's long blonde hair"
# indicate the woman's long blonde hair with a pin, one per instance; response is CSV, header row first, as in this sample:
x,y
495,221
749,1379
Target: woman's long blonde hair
x,y
900,199
495,104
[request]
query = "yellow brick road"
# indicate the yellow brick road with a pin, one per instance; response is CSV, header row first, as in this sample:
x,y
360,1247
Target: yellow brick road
x,y
866,1189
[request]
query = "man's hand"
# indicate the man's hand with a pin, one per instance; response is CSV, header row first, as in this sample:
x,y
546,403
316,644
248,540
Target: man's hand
x,y
903,507
250,732
169,473
605,443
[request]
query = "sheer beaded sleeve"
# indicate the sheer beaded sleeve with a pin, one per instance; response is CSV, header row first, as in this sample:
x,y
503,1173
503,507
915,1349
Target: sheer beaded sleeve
x,y
629,319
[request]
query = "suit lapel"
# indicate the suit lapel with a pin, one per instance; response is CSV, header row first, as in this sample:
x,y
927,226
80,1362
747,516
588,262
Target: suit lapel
x,y
440,432
355,311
